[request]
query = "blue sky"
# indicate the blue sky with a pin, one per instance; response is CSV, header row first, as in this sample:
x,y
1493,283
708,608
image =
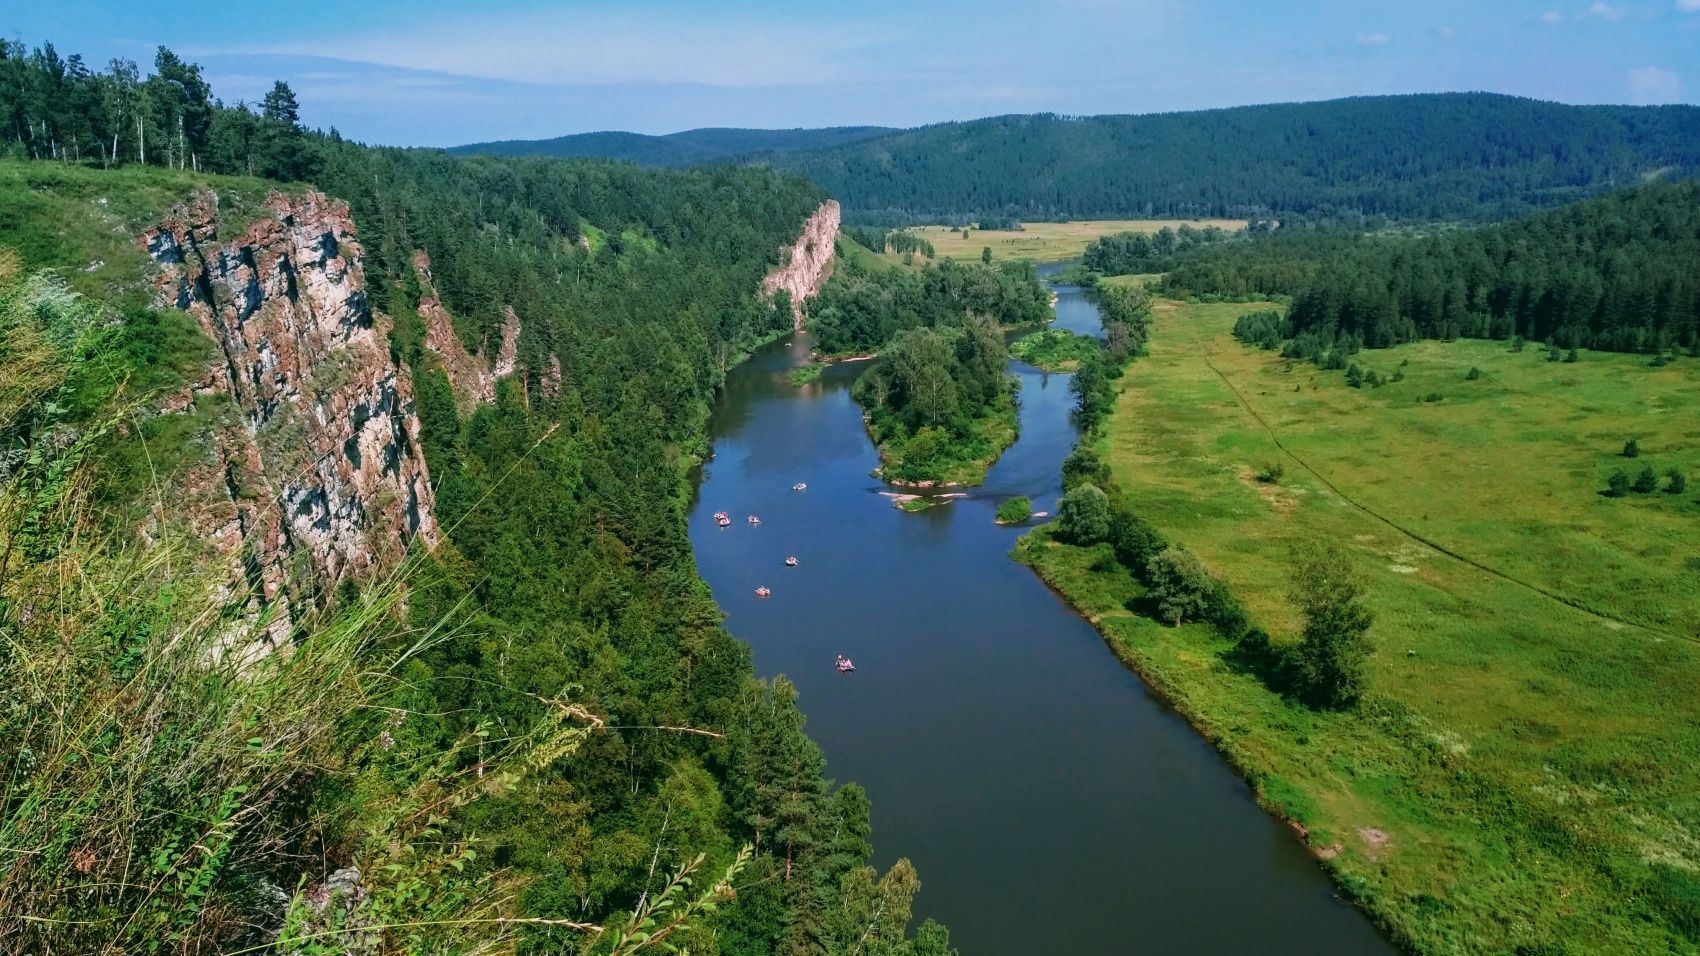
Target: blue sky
x,y
429,72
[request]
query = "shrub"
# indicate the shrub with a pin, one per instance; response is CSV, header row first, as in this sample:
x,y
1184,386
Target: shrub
x,y
1399,373
1355,376
1632,449
1618,484
1135,540
1571,355
1224,612
1083,515
1272,473
1015,510
1084,465
1678,481
1432,397
1647,481
1473,374
1180,584
1553,354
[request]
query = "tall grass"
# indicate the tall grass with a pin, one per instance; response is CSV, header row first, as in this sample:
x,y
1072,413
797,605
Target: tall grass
x,y
174,782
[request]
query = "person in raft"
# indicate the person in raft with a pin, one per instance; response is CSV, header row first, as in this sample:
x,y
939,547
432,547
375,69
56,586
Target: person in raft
x,y
844,665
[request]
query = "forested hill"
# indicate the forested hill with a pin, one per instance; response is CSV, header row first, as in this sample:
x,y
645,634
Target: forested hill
x,y
1448,155
553,728
1470,155
693,147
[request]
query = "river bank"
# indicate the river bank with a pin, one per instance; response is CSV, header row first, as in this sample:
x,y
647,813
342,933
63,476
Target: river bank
x,y
1025,778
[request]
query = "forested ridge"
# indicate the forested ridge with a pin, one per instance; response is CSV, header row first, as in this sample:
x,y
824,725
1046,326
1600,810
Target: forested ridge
x,y
1425,156
687,148
1616,273
566,595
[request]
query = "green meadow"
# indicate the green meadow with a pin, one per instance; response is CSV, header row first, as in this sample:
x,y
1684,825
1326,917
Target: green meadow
x,y
1520,778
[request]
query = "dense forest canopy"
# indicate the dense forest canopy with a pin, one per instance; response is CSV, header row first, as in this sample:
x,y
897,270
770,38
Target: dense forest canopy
x,y
1435,156
1616,272
567,568
860,308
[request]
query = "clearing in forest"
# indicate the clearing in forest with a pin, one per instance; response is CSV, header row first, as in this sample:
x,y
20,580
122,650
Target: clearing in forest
x,y
1524,769
1048,241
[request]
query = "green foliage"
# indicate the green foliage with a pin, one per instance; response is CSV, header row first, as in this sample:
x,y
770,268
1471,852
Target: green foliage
x,y
1330,658
1084,465
1473,374
1646,482
1632,449
1677,481
1441,156
1180,585
1618,484
1272,473
804,374
1083,515
1014,510
862,307
1055,350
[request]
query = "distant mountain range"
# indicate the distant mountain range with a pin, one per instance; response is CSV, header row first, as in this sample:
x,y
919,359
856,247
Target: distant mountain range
x,y
693,147
1441,155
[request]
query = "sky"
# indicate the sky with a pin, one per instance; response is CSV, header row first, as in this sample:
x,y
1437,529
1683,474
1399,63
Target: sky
x,y
438,73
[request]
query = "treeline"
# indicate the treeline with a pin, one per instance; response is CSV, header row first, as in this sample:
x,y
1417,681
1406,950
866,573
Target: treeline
x,y
890,240
930,396
60,108
1325,669
1132,253
860,309
567,574
1614,273
1429,156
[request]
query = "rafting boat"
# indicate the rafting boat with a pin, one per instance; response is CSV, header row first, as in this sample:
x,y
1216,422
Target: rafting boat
x,y
791,562
752,519
762,592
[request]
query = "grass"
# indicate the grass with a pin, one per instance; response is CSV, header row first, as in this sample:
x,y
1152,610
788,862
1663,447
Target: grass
x,y
1055,350
1047,241
804,374
1523,775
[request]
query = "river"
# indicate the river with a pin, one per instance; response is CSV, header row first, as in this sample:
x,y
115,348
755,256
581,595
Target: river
x,y
1049,802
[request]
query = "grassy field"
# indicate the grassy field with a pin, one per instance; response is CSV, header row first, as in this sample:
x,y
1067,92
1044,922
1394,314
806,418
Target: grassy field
x,y
1047,241
1523,777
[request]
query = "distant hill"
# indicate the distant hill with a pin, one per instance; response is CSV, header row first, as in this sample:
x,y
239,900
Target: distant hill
x,y
694,147
1442,155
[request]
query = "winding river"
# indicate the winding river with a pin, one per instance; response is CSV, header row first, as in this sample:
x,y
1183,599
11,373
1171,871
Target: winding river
x,y
1049,802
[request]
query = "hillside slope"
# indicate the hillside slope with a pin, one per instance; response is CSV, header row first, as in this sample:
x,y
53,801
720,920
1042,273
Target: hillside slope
x,y
1446,155
692,147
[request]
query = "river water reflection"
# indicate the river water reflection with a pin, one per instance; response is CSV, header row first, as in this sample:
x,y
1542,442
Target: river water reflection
x,y
1050,804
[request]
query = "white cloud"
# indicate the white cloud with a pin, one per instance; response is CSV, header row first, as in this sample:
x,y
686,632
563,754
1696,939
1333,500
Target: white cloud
x,y
1688,6
1447,31
608,46
1655,85
1551,16
1606,11
1372,39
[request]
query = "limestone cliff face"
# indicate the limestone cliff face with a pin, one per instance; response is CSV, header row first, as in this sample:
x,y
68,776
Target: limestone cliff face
x,y
473,378
809,262
317,473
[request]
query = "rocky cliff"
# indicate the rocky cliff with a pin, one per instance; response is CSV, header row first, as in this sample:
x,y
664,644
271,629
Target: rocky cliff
x,y
473,378
316,473
808,263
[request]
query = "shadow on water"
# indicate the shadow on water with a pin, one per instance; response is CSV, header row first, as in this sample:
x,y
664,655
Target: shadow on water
x,y
1049,802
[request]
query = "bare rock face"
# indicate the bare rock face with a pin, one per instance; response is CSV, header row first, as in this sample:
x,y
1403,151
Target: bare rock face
x,y
472,377
809,262
317,474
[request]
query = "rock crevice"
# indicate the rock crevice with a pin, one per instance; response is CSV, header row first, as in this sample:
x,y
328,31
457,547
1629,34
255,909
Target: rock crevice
x,y
319,470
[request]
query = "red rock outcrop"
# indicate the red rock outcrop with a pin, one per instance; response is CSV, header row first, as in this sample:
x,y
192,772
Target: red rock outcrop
x,y
473,378
808,263
317,473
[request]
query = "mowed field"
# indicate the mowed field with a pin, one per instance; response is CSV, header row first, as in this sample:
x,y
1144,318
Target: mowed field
x,y
1049,241
1525,775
